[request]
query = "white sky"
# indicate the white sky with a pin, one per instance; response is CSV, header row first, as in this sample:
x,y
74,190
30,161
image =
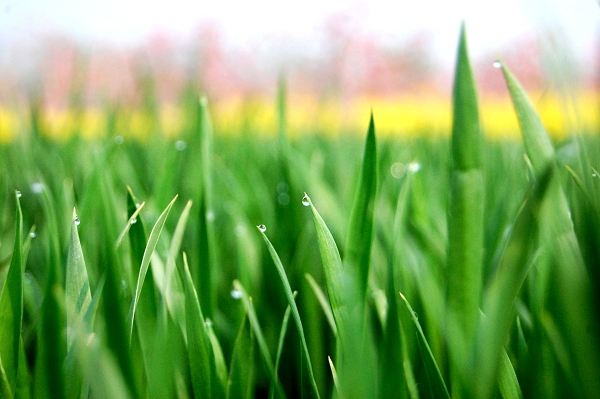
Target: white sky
x,y
490,24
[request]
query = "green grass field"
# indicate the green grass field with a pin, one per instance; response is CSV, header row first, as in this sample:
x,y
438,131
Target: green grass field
x,y
251,265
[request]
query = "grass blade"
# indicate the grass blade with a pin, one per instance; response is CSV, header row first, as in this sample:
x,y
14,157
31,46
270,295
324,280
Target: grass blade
x,y
465,212
437,385
11,310
260,338
152,241
296,315
507,379
202,362
360,230
323,302
241,375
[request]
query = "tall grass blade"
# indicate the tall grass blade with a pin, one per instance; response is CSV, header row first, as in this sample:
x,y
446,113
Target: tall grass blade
x,y
280,343
11,311
152,241
201,358
360,230
436,383
465,212
296,315
260,338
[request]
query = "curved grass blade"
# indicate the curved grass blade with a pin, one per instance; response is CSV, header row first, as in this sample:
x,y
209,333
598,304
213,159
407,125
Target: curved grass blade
x,y
334,375
507,379
220,365
241,375
152,241
11,310
296,315
437,385
332,265
131,221
360,230
201,358
260,338
323,302
498,304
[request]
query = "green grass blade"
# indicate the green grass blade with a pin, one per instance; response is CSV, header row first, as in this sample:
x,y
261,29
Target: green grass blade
x,y
202,362
498,304
334,375
11,310
77,294
332,265
360,230
296,315
465,212
241,375
260,338
281,341
131,221
323,301
507,379
205,276
23,390
220,365
152,241
436,382
537,143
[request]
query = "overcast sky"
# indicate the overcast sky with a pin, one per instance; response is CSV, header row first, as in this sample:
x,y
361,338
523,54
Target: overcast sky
x,y
490,24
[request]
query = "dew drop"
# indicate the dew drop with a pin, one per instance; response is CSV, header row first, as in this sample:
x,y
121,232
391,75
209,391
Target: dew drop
x,y
76,221
305,200
37,187
32,234
414,167
119,140
497,64
236,294
180,145
210,215
398,170
137,205
133,221
208,323
262,228
594,175
416,315
18,194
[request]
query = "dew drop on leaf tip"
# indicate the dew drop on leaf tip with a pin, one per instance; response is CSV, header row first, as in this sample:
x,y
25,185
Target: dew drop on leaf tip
x,y
133,221
76,221
18,194
208,323
305,200
262,228
32,234
236,294
497,64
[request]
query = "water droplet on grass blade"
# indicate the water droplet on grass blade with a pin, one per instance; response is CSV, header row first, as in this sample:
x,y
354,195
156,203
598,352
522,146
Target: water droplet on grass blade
x,y
236,294
416,315
398,170
76,221
180,145
18,194
305,200
210,216
37,187
262,228
208,323
497,64
133,221
414,167
32,234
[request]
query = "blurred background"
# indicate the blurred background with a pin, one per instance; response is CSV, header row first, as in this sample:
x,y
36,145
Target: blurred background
x,y
338,58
